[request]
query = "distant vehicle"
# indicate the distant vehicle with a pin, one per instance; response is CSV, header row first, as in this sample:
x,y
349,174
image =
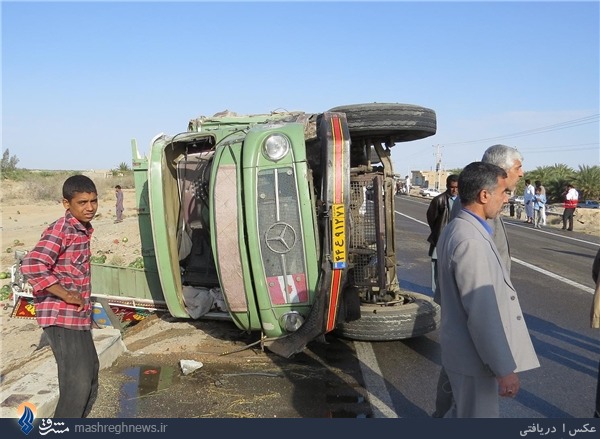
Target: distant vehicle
x,y
518,200
589,204
429,192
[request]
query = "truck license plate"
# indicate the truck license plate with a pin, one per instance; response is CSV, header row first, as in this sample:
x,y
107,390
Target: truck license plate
x,y
338,236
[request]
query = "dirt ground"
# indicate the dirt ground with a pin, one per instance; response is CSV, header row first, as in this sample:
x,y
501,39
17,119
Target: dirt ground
x,y
23,222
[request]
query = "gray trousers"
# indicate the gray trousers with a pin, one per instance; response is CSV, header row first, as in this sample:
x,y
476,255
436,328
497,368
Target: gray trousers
x,y
78,367
474,396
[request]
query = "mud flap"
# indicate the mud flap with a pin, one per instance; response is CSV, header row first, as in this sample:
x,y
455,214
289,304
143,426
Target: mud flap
x,y
350,305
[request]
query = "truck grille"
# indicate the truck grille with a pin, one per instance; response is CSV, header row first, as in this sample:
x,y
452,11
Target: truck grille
x,y
280,232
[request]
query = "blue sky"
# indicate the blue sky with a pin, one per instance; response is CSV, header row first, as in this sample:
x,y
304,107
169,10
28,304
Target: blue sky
x,y
81,79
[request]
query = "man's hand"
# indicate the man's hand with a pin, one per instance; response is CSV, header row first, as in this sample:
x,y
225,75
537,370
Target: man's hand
x,y
74,299
508,385
68,296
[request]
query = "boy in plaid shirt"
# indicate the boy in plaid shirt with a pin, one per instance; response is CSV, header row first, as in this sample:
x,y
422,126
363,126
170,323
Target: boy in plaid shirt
x,y
58,269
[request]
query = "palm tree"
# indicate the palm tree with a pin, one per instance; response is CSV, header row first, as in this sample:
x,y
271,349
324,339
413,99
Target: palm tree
x,y
588,182
555,190
541,173
560,171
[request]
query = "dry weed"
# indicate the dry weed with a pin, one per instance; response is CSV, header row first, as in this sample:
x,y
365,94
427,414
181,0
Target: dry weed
x,y
47,186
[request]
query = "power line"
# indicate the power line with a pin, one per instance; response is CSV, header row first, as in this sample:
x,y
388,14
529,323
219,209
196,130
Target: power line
x,y
577,147
555,127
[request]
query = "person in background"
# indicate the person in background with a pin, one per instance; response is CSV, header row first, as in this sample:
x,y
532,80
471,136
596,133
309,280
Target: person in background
x,y
119,205
511,160
438,215
571,198
528,195
595,320
58,269
538,184
519,211
539,203
407,184
484,339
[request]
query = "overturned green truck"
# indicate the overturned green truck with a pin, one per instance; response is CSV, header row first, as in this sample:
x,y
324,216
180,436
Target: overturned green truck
x,y
281,222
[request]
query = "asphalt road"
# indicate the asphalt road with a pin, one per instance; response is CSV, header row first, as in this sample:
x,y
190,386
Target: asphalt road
x,y
551,270
339,378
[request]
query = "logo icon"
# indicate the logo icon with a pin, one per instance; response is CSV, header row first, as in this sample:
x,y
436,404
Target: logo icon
x,y
280,237
27,412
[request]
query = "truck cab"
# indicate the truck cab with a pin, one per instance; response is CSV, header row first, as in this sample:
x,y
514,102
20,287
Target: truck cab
x,y
283,222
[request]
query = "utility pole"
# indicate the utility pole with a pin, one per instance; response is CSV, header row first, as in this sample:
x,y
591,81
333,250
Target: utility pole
x,y
438,165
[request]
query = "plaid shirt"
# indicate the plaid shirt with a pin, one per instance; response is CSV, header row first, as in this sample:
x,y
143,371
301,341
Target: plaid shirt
x,y
61,256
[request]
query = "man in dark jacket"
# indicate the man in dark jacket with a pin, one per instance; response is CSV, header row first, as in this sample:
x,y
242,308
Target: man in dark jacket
x,y
438,215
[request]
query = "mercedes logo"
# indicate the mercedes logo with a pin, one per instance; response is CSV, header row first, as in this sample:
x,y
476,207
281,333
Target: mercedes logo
x,y
280,237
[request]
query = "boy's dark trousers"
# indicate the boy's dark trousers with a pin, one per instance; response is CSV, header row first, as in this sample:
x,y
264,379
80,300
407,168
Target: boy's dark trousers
x,y
78,367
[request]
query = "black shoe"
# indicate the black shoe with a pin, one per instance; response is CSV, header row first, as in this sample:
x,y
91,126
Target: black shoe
x,y
569,230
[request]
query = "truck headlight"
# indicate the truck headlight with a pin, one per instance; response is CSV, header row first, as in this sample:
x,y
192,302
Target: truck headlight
x,y
276,147
291,321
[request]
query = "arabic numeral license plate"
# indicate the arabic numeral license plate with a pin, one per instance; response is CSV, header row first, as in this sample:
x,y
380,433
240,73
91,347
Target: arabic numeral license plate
x,y
338,236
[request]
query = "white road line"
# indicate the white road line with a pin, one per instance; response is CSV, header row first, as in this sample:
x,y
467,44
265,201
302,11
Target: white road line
x,y
551,233
414,219
379,397
533,267
555,276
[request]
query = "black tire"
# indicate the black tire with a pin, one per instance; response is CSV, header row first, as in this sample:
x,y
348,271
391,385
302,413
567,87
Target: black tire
x,y
384,323
395,122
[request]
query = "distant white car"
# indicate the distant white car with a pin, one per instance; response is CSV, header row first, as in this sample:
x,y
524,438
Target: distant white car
x,y
429,192
518,200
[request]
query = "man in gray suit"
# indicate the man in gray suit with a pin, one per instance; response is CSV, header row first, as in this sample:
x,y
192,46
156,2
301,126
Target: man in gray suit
x,y
511,160
484,338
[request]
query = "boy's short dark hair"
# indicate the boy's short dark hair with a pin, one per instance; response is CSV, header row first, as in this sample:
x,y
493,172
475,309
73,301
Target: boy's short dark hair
x,y
118,186
77,184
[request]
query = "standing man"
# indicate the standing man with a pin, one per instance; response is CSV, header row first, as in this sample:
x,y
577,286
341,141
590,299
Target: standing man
x,y
511,160
407,184
58,269
438,215
571,198
528,197
538,184
484,339
539,206
119,206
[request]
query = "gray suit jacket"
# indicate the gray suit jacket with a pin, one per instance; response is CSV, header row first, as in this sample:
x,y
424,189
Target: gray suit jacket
x,y
500,238
482,331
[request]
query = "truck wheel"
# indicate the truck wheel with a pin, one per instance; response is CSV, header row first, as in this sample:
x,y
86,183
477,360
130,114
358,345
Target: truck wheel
x,y
395,122
419,316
